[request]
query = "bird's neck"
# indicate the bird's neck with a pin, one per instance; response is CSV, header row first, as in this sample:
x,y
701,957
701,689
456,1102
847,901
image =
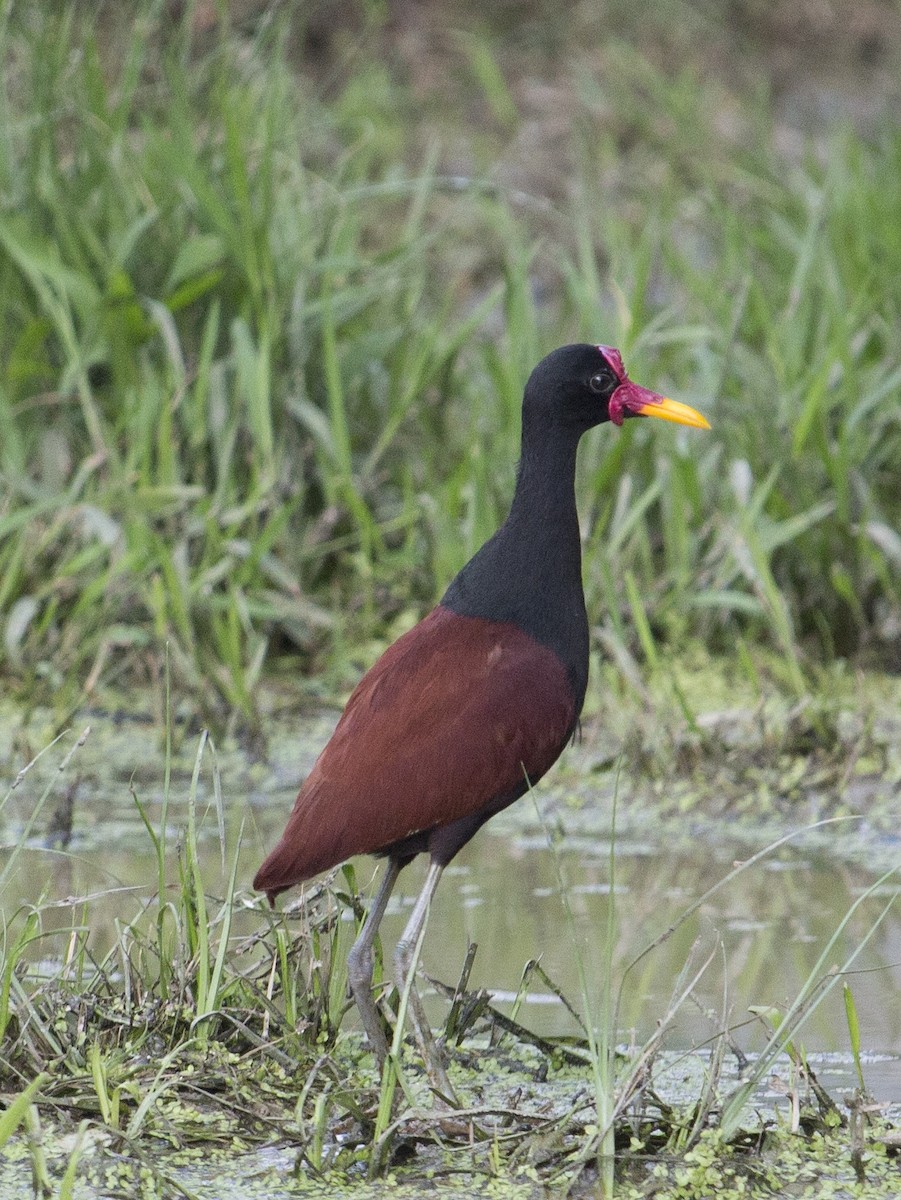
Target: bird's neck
x,y
530,572
544,502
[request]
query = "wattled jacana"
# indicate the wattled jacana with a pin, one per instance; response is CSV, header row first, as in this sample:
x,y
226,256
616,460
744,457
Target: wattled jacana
x,y
465,712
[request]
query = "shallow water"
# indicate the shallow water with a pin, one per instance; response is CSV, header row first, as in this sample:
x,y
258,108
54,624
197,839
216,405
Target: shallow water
x,y
508,891
766,930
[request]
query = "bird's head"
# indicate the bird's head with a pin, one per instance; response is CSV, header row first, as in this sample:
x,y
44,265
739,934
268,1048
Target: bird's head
x,y
581,386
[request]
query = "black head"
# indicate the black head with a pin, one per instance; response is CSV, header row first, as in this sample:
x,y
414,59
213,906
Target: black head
x,y
572,387
579,386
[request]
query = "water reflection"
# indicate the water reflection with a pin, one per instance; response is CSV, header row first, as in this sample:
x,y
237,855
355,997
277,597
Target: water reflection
x,y
773,922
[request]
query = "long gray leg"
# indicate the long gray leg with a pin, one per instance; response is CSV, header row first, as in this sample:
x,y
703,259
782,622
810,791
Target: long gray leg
x,y
403,966
359,963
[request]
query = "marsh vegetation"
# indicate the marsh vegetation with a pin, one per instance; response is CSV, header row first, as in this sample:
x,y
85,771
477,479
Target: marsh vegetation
x,y
271,286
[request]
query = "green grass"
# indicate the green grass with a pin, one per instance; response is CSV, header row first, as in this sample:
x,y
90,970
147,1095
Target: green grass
x,y
183,1020
261,358
262,349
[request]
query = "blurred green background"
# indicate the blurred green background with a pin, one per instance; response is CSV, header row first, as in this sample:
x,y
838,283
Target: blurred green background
x,y
272,278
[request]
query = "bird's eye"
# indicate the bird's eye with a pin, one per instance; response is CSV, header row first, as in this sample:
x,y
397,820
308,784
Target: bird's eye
x,y
600,382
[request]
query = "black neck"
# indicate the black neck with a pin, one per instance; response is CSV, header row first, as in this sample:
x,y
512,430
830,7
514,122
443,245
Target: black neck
x,y
530,572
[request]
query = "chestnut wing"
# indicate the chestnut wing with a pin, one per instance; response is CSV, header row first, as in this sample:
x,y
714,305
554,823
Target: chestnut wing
x,y
455,715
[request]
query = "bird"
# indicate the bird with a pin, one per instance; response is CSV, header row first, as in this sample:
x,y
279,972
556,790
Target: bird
x,y
466,712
